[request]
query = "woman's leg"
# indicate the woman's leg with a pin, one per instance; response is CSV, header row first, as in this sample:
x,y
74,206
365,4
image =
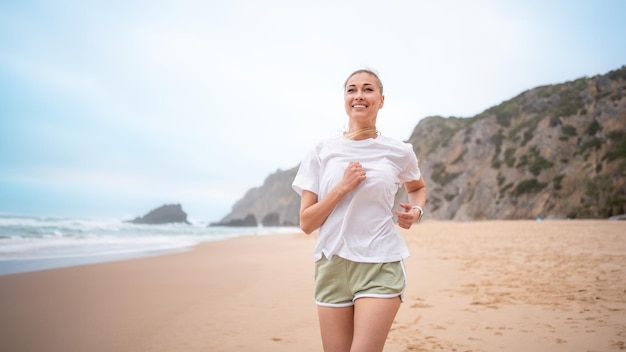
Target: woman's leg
x,y
337,327
372,321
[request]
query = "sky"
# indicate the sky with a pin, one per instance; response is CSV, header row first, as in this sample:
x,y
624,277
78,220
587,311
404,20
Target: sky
x,y
109,109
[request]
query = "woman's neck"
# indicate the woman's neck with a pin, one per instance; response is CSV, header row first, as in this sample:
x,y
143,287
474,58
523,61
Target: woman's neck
x,y
361,133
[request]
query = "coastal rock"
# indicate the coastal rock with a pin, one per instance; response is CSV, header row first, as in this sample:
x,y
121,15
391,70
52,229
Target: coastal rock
x,y
248,221
169,213
275,202
271,219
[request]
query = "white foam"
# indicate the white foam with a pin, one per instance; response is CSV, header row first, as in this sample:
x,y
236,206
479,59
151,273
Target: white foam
x,y
30,238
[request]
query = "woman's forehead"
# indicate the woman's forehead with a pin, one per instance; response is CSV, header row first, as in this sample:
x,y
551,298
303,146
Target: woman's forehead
x,y
361,79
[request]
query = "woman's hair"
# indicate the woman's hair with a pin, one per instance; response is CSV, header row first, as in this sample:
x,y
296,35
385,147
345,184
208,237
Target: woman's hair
x,y
369,72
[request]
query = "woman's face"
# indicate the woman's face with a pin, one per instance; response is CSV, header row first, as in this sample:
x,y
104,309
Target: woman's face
x,y
362,96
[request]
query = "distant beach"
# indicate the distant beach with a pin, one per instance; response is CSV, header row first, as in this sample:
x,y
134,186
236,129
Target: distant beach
x,y
472,286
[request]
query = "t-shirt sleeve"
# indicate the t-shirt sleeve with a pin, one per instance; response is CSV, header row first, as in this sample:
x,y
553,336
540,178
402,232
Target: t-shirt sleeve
x,y
412,171
307,176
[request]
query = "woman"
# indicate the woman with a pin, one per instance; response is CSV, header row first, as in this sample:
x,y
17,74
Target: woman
x,y
347,187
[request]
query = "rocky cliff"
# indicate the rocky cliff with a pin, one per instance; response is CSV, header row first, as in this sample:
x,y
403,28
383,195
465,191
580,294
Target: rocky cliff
x,y
272,204
552,151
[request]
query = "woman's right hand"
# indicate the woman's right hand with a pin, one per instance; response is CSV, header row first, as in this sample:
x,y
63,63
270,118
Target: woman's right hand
x,y
353,176
313,213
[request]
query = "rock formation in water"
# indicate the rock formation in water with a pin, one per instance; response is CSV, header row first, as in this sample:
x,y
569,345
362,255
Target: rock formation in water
x,y
169,213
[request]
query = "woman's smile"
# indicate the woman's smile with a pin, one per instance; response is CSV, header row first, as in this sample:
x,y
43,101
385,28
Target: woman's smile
x,y
363,95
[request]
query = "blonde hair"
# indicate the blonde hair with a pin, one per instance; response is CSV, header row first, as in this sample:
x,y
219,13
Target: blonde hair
x,y
369,72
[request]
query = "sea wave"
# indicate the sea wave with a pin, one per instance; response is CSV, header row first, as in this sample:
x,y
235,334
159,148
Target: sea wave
x,y
24,238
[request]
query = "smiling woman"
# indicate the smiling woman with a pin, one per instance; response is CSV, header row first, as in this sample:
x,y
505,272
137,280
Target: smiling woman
x,y
363,97
347,187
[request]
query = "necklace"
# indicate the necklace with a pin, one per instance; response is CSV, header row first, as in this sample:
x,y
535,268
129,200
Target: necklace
x,y
363,133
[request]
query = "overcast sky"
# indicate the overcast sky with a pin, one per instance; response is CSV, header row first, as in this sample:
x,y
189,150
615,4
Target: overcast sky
x,y
112,108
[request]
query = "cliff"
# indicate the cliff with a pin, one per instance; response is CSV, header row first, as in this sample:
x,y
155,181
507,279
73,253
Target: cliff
x,y
557,151
272,204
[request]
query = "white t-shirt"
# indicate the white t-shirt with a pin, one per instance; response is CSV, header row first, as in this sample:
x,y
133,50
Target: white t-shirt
x,y
361,227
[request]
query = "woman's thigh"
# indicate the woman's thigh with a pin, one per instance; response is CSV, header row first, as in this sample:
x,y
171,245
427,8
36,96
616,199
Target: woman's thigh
x,y
372,321
337,328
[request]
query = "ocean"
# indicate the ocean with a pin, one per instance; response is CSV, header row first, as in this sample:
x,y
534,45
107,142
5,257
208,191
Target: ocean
x,y
30,243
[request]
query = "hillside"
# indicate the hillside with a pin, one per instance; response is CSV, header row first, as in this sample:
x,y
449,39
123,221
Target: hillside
x,y
272,204
552,151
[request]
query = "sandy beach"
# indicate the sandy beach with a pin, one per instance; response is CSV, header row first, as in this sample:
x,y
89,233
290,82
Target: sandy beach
x,y
472,286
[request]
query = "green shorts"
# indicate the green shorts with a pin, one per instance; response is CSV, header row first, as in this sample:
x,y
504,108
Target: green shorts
x,y
339,282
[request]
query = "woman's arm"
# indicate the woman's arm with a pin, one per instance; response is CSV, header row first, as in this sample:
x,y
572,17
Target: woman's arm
x,y
314,212
416,192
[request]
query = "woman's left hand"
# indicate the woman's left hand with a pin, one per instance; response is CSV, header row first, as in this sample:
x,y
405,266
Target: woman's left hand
x,y
407,217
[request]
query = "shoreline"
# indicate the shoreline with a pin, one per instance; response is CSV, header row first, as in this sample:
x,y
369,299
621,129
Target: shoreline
x,y
21,266
30,244
482,286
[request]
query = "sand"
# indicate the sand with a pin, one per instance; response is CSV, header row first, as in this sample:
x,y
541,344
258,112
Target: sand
x,y
473,286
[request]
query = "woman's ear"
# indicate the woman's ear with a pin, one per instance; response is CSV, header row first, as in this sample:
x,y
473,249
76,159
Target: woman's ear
x,y
382,102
